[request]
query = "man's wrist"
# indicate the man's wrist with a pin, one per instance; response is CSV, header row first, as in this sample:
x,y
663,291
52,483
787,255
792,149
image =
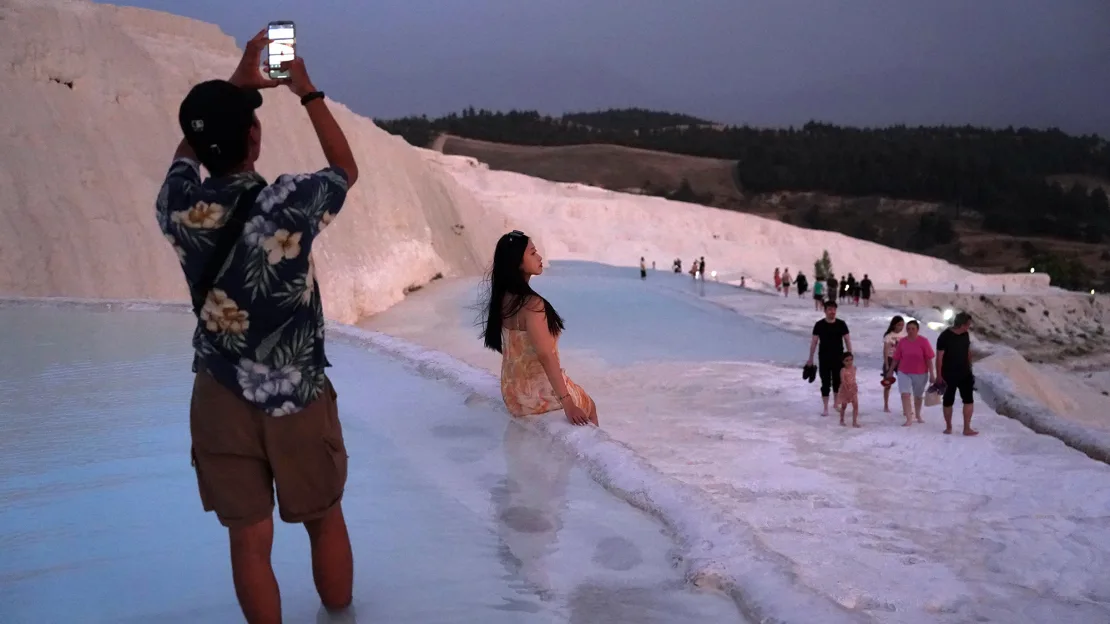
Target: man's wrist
x,y
237,81
312,97
305,91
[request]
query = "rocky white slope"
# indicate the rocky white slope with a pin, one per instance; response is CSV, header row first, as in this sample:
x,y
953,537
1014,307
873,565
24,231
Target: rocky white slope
x,y
89,96
579,222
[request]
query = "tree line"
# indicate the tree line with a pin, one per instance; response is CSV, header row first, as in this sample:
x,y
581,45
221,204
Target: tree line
x,y
997,177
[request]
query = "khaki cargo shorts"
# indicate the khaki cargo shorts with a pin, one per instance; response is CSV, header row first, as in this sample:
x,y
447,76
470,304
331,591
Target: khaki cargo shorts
x,y
240,453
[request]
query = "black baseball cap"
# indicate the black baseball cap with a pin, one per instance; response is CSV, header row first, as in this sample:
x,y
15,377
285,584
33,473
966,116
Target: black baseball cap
x,y
216,117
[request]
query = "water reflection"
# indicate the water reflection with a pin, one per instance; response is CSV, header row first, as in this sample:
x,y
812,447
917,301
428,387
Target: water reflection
x,y
528,506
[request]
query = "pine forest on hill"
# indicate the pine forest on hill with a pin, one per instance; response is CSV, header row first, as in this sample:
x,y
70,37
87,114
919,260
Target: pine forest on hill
x,y
1012,182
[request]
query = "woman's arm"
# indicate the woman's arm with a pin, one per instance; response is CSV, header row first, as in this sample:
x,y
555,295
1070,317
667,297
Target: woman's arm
x,y
535,323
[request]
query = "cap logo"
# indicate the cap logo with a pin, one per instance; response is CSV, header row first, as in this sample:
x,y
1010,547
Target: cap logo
x,y
197,125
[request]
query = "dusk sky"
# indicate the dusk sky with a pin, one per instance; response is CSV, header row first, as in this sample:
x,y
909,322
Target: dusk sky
x,y
762,62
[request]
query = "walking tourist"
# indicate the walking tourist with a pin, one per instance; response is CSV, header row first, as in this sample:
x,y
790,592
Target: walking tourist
x,y
831,335
954,368
913,356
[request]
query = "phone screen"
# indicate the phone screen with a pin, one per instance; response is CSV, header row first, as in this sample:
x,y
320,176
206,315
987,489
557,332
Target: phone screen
x,y
283,47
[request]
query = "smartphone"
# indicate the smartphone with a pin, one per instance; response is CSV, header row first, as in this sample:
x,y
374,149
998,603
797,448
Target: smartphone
x,y
283,46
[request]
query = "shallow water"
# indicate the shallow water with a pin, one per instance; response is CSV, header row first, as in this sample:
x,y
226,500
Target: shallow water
x,y
900,525
614,316
456,515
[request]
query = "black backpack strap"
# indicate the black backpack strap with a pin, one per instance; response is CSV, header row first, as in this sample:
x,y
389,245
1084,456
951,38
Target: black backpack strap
x,y
229,235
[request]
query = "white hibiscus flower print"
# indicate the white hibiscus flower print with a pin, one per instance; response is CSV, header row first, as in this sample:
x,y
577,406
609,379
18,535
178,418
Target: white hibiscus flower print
x,y
178,248
222,314
276,193
283,245
202,215
260,382
286,409
257,230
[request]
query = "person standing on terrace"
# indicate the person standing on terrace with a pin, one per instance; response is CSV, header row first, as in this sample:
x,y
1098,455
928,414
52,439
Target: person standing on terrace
x,y
263,412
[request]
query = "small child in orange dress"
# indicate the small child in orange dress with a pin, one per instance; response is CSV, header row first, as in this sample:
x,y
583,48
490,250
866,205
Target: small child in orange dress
x,y
849,391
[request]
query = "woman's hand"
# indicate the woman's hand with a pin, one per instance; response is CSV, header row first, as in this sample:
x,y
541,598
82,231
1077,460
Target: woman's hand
x,y
576,415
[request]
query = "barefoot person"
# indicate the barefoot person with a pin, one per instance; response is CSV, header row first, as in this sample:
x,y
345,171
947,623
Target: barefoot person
x,y
263,411
913,357
831,334
894,332
954,366
524,327
818,294
866,287
849,390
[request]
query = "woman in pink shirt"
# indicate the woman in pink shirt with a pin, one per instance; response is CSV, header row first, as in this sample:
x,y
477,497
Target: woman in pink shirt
x,y
913,356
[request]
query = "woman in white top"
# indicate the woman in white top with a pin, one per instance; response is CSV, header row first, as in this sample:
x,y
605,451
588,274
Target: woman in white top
x,y
895,332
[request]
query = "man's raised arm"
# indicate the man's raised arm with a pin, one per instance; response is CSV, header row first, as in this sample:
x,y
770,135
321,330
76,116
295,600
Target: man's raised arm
x,y
332,140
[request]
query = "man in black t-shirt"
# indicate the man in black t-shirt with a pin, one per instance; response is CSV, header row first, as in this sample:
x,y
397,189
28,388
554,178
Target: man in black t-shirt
x,y
865,287
954,366
831,334
831,285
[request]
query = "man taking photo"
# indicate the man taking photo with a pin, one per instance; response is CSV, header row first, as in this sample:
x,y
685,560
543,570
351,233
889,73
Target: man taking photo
x,y
263,412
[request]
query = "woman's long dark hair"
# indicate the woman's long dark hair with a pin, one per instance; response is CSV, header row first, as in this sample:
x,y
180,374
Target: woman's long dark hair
x,y
507,291
893,323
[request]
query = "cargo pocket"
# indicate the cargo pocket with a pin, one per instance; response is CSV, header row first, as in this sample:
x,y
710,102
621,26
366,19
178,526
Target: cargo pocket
x,y
205,498
333,439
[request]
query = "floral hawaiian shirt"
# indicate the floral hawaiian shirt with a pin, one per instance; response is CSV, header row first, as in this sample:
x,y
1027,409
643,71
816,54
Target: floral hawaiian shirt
x,y
261,330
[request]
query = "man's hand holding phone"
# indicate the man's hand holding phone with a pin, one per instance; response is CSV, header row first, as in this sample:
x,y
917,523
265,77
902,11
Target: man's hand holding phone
x,y
249,72
298,82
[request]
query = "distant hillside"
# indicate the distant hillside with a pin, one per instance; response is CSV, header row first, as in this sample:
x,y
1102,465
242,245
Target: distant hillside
x,y
628,120
613,167
950,185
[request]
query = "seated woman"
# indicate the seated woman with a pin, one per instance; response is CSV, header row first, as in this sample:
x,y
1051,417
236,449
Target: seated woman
x,y
524,328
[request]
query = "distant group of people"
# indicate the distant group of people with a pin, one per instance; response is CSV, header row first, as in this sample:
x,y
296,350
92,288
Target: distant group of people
x,y
832,289
697,267
908,359
782,282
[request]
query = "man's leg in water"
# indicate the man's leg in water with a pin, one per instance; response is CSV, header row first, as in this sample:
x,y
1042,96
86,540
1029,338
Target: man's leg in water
x,y
235,480
333,564
256,586
309,458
